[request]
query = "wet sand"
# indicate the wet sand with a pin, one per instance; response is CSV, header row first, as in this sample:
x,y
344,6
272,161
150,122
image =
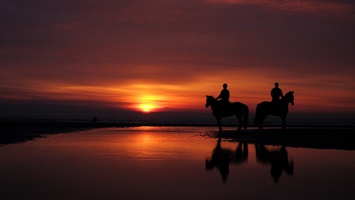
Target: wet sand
x,y
323,137
326,137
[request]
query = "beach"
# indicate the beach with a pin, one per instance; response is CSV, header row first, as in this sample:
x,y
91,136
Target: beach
x,y
308,136
171,162
127,100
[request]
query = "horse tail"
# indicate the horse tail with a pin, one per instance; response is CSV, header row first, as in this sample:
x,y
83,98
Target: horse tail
x,y
245,117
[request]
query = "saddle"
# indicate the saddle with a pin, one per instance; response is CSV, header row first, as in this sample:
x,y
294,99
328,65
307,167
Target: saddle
x,y
225,106
275,106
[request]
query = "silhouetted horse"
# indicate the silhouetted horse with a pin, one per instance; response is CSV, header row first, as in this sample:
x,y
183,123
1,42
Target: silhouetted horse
x,y
219,110
280,109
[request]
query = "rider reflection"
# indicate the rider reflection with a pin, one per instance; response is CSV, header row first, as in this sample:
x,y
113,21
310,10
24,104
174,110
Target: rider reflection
x,y
222,157
277,158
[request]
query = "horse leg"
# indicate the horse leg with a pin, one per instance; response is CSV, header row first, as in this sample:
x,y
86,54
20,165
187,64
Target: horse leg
x,y
245,116
257,120
219,124
239,117
261,120
283,122
261,126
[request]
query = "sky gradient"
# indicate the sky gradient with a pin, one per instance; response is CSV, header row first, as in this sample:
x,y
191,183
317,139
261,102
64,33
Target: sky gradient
x,y
167,55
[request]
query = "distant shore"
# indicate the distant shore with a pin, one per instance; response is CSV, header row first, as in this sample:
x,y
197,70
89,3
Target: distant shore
x,y
315,136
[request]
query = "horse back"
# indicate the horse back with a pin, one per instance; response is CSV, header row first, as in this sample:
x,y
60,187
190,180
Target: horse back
x,y
239,105
267,107
264,106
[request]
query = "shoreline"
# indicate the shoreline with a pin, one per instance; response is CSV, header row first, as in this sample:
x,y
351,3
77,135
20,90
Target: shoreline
x,y
341,138
307,136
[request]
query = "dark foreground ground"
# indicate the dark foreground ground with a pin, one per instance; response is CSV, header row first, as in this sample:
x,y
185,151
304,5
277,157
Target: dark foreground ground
x,y
320,137
325,137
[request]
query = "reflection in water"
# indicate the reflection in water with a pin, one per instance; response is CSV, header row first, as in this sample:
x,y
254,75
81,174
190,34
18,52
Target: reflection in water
x,y
165,163
277,158
222,157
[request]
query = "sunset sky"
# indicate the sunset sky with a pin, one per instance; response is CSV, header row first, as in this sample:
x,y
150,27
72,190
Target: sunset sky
x,y
167,55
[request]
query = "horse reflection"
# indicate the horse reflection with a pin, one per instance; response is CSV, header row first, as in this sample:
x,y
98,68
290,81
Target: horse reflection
x,y
222,157
277,158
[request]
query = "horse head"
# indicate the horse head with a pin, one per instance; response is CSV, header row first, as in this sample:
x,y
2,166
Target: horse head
x,y
289,97
210,100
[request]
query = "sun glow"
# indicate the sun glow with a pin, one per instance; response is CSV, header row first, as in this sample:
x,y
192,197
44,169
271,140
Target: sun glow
x,y
148,103
146,107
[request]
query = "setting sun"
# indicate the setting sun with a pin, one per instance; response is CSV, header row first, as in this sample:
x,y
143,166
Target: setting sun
x,y
121,68
148,103
146,108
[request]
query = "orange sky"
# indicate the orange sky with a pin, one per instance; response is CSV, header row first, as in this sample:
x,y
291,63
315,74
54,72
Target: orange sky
x,y
167,55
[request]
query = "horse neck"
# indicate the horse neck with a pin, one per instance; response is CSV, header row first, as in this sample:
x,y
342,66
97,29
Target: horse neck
x,y
285,101
213,104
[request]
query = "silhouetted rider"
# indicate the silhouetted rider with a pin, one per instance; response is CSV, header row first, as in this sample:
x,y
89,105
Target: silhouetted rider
x,y
224,95
276,93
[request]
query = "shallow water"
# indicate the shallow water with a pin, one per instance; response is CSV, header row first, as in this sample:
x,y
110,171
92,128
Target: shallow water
x,y
169,163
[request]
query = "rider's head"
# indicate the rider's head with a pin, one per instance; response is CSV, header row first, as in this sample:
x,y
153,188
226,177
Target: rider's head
x,y
276,84
225,85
